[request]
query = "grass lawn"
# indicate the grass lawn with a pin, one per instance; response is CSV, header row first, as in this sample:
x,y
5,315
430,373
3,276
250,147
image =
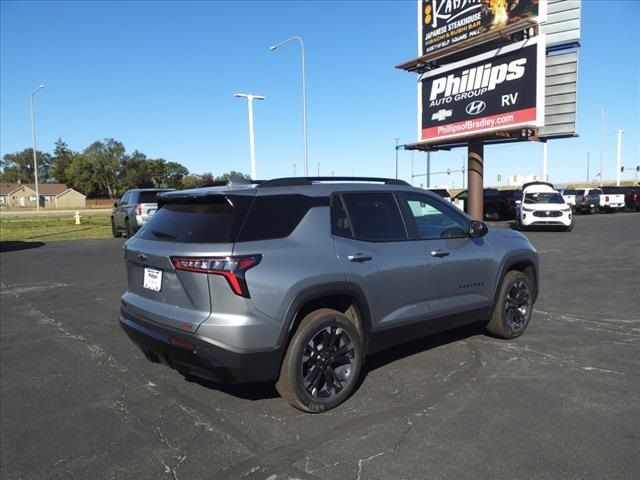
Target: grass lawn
x,y
47,229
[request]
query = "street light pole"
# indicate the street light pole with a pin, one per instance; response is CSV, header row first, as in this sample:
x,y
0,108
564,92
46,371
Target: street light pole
x,y
250,98
33,137
304,99
601,142
619,156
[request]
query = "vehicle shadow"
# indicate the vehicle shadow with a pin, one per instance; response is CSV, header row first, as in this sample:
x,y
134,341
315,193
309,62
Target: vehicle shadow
x,y
14,246
385,357
246,391
263,391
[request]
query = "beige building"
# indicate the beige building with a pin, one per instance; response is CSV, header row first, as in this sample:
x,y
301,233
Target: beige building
x,y
52,195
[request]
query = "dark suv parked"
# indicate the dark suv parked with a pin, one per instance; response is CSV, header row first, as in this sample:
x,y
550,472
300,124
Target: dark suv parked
x,y
133,210
297,280
498,204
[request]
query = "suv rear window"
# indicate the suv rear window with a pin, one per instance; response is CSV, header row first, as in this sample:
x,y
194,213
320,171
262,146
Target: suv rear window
x,y
230,218
207,220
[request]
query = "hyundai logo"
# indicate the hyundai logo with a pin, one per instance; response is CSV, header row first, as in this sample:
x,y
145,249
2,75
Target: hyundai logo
x,y
476,107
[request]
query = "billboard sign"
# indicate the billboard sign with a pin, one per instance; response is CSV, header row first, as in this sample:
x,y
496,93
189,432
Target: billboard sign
x,y
496,91
450,25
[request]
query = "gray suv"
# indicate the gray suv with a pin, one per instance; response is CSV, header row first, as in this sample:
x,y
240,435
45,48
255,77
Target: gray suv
x,y
297,280
133,210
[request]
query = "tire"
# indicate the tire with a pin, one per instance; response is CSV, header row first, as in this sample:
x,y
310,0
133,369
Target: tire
x,y
332,332
129,229
516,294
114,232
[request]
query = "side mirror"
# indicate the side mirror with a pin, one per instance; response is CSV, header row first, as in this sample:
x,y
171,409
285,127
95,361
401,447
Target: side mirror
x,y
477,229
115,204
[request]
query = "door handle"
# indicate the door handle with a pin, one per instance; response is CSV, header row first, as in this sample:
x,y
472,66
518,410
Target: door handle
x,y
359,258
439,253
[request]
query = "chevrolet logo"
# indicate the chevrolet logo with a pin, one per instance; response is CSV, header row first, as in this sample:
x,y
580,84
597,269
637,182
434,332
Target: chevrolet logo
x,y
441,115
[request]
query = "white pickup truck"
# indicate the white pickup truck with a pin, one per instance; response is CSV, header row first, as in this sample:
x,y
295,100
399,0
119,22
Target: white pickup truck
x,y
606,199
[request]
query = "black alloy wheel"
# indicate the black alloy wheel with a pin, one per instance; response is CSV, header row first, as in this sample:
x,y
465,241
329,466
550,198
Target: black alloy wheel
x,y
322,365
514,306
327,362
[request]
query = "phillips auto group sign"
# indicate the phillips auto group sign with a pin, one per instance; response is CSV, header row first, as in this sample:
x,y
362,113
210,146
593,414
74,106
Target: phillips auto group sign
x,y
448,24
496,91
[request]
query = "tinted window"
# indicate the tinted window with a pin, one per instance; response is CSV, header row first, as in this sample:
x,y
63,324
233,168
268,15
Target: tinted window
x,y
543,197
340,224
207,220
434,220
147,197
375,217
124,199
276,216
569,192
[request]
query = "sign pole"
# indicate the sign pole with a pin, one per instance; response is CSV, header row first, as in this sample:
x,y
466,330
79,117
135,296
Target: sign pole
x,y
475,169
544,162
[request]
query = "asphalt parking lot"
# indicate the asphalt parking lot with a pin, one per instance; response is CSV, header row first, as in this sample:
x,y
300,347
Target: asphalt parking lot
x,y
79,401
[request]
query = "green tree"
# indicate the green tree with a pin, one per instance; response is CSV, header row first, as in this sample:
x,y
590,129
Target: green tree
x,y
62,157
105,159
81,176
190,181
166,174
18,167
226,176
134,172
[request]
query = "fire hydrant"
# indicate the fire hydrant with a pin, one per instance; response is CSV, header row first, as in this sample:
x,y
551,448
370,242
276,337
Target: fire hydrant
x,y
77,215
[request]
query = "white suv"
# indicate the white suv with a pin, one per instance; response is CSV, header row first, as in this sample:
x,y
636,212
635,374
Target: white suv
x,y
542,205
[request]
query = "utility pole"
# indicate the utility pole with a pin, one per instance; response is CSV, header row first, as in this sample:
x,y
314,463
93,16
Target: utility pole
x,y
619,156
463,172
318,168
294,169
397,157
428,169
587,167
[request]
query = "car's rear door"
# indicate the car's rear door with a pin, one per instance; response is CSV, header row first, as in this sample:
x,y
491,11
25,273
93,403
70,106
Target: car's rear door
x,y
371,243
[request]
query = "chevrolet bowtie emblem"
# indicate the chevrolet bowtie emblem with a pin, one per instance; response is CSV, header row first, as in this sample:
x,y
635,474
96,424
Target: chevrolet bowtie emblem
x,y
440,115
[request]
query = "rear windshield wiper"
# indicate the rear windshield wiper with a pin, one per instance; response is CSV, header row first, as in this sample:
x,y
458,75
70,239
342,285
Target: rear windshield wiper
x,y
158,233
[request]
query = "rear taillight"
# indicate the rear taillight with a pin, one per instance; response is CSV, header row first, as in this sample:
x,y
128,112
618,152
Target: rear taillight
x,y
606,198
138,209
231,268
584,200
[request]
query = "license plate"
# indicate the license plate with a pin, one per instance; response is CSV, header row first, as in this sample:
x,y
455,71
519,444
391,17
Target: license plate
x,y
152,279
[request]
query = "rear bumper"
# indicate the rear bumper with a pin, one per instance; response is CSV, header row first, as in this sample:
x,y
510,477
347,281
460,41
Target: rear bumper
x,y
191,355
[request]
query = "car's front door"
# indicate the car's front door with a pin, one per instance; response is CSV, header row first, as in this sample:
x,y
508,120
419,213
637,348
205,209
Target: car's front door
x,y
461,268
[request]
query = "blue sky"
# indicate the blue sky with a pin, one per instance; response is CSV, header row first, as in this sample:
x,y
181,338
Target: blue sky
x,y
160,77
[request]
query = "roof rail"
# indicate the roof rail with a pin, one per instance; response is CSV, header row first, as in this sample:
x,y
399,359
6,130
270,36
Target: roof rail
x,y
300,181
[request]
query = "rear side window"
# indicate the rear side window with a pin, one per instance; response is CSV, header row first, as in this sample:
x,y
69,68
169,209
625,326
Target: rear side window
x,y
277,216
147,197
374,217
209,220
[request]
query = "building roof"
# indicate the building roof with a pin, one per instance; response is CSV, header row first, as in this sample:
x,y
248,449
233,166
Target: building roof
x,y
47,189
